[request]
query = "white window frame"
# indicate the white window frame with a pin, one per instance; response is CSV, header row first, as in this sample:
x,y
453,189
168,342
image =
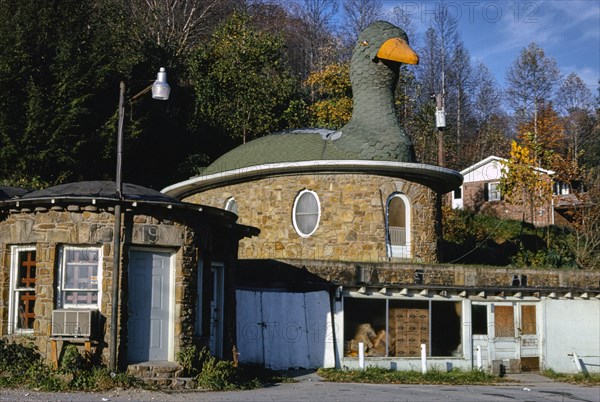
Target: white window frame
x,y
400,251
294,213
61,279
14,290
494,188
231,201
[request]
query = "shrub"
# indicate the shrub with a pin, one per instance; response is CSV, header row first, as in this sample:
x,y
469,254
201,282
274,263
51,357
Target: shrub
x,y
191,360
16,357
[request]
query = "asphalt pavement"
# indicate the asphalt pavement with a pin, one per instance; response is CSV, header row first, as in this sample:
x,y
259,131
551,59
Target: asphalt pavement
x,y
528,387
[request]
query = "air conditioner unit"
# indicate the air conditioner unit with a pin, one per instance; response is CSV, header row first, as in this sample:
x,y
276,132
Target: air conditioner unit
x,y
74,323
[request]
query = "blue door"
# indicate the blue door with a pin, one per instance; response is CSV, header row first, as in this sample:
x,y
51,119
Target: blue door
x,y
149,299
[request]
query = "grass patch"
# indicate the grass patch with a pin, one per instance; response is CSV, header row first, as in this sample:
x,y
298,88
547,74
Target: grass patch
x,y
376,375
580,379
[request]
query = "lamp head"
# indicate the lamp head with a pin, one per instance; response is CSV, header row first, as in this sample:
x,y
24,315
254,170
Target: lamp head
x,y
160,88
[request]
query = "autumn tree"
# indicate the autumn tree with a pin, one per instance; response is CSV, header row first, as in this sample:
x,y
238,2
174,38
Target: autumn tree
x,y
333,107
523,184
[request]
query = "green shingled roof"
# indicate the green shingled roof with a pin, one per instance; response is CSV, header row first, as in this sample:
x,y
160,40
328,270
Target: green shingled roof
x,y
292,146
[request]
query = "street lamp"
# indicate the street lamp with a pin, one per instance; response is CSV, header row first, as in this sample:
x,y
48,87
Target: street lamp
x,y
160,91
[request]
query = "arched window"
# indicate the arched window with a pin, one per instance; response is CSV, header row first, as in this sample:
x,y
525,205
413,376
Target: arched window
x,y
398,226
306,213
231,205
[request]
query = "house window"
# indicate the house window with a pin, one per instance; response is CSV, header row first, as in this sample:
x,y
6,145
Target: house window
x,y
561,188
79,277
493,191
458,193
398,226
397,328
306,213
231,205
22,289
479,319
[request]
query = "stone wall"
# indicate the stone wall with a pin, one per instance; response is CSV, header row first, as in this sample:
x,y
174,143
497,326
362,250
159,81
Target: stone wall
x,y
49,228
440,275
352,223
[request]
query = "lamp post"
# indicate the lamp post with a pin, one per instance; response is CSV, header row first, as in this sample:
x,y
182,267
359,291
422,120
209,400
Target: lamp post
x,y
160,91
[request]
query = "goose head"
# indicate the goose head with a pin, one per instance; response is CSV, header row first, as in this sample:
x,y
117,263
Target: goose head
x,y
380,50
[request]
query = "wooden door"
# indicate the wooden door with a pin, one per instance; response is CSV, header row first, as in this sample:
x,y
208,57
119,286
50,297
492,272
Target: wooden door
x,y
149,306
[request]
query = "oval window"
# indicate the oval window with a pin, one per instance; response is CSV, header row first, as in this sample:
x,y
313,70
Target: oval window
x,y
306,213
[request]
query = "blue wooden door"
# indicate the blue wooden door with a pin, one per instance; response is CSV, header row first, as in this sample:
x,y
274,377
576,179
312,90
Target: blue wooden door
x,y
149,295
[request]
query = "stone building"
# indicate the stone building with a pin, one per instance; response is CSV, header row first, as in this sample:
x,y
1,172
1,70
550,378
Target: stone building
x,y
57,272
347,253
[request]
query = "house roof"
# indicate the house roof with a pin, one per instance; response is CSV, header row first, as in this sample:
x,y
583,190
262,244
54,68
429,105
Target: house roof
x,y
99,190
7,192
498,159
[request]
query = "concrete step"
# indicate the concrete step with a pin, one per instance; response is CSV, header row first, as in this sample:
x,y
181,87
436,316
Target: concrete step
x,y
172,383
160,369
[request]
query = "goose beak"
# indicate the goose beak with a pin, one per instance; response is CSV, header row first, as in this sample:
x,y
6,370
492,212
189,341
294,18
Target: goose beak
x,y
397,49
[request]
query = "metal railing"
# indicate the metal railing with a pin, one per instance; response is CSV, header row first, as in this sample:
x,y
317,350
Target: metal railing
x,y
397,235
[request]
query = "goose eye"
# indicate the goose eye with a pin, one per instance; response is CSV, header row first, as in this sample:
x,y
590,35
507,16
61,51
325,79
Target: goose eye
x,y
364,43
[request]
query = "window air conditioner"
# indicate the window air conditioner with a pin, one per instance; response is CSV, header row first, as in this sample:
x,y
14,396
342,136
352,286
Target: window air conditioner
x,y
74,323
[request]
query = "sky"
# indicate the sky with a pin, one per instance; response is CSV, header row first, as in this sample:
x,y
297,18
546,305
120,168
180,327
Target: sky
x,y
496,31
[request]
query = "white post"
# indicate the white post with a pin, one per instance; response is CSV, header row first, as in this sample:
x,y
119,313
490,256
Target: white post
x,y
479,365
423,358
361,355
577,363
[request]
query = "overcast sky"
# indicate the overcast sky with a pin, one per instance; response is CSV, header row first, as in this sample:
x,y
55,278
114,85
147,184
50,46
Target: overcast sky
x,y
496,31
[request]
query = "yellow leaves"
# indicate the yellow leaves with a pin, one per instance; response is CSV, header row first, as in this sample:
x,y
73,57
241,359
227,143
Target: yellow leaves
x,y
333,89
520,154
332,81
330,113
522,183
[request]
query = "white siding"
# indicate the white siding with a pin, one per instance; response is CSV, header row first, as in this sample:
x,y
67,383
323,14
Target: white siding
x,y
572,326
491,171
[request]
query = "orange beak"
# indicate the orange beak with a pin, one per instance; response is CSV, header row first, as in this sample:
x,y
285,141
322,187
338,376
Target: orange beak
x,y
397,49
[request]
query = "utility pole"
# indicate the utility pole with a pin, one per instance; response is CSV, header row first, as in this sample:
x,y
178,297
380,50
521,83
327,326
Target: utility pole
x,y
440,122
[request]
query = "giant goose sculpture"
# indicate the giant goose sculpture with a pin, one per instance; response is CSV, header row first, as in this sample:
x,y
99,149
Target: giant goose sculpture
x,y
371,142
373,131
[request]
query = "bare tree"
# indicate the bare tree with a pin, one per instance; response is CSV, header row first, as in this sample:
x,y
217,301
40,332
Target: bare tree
x,y
176,24
358,14
575,101
586,222
532,79
311,40
574,95
460,73
400,18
